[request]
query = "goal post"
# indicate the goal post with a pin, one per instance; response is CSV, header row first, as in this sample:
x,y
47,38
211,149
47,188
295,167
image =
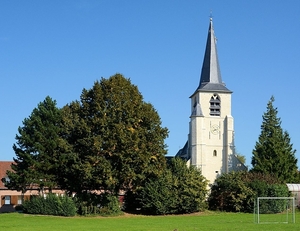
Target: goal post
x,y
274,210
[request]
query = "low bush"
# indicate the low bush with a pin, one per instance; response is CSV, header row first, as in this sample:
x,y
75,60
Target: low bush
x,y
237,191
50,205
104,204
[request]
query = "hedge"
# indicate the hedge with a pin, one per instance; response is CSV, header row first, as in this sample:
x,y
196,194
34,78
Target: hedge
x,y
50,205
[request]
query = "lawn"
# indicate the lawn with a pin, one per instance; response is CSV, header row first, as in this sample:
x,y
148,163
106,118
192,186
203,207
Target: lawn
x,y
203,221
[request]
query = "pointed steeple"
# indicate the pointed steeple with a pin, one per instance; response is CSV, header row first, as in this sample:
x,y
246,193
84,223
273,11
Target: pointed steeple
x,y
210,79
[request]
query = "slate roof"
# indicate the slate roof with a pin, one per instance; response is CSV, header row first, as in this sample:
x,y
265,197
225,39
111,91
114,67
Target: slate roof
x,y
4,166
183,153
210,79
197,111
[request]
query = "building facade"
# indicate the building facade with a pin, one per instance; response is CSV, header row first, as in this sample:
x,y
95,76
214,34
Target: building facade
x,y
9,199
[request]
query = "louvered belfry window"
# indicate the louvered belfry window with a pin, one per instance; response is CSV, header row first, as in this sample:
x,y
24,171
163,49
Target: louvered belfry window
x,y
215,105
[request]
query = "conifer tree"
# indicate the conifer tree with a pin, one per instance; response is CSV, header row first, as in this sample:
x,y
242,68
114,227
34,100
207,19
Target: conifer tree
x,y
37,148
273,152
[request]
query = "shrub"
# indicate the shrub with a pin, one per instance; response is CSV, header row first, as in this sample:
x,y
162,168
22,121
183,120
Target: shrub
x,y
180,189
237,191
110,205
68,207
230,193
104,204
158,195
50,205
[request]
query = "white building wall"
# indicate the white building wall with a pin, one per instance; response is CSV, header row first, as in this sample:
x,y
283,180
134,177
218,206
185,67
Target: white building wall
x,y
209,150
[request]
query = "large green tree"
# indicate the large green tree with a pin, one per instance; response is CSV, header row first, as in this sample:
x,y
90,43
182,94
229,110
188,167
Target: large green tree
x,y
273,152
37,148
117,138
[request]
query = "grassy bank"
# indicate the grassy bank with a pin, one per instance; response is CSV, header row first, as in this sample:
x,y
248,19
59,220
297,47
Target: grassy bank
x,y
203,221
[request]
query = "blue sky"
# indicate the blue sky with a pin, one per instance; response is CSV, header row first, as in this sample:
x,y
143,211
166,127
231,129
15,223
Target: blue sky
x,y
57,48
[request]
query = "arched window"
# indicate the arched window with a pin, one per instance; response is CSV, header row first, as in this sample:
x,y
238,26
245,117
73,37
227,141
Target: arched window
x,y
215,153
215,105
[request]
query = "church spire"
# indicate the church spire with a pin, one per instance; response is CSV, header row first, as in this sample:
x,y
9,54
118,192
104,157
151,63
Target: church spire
x,y
210,79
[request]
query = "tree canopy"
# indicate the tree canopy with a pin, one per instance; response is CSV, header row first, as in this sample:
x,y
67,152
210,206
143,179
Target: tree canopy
x,y
110,140
37,148
117,139
273,152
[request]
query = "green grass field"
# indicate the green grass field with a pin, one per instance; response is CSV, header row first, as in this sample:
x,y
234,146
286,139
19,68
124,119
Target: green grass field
x,y
204,221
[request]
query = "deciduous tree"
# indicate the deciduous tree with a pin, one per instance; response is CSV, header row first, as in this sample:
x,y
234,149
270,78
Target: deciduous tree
x,y
117,138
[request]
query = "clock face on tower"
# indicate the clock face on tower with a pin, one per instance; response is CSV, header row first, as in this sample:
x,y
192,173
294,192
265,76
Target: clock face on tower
x,y
214,129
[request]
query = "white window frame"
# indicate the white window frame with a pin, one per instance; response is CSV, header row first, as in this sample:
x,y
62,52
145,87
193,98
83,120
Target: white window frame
x,y
7,200
19,200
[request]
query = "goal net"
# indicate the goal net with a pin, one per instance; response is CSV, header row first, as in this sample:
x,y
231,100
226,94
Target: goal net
x,y
274,210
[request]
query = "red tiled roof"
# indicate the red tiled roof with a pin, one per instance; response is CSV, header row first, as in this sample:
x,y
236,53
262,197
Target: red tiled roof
x,y
4,166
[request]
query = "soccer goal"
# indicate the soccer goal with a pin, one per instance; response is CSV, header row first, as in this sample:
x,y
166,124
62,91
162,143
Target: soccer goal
x,y
274,210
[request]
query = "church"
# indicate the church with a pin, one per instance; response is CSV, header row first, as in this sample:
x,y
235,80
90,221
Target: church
x,y
210,146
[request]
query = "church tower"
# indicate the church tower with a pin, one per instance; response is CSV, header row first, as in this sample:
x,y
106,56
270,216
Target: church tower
x,y
211,131
210,145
